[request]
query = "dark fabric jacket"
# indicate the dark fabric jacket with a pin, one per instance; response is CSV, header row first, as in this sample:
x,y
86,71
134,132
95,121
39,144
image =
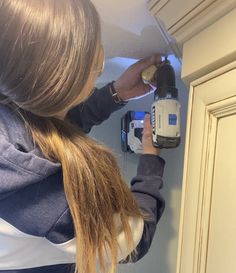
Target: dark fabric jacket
x,y
36,229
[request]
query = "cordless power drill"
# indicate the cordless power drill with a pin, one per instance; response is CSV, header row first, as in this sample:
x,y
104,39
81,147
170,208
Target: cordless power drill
x,y
165,110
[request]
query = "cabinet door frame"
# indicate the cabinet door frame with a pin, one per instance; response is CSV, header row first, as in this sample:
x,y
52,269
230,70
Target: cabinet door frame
x,y
211,97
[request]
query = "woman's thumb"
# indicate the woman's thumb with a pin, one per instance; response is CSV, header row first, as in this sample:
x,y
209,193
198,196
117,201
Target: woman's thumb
x,y
147,124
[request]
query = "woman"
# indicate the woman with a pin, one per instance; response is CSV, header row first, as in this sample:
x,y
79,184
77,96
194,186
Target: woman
x,y
63,201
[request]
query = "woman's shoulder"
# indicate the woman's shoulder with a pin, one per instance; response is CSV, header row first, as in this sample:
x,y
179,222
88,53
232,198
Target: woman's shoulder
x,y
21,163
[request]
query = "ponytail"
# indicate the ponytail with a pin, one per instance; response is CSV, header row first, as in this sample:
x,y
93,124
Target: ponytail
x,y
94,189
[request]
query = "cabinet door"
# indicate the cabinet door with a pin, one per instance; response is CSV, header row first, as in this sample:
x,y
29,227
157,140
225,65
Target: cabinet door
x,y
222,240
207,242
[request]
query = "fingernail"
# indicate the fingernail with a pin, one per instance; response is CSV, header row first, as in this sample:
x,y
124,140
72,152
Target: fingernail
x,y
147,116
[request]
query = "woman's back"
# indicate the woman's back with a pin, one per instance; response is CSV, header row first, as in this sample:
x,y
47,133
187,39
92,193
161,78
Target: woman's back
x,y
32,202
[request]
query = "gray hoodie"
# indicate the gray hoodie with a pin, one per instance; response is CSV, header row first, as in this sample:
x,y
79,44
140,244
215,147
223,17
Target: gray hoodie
x,y
36,228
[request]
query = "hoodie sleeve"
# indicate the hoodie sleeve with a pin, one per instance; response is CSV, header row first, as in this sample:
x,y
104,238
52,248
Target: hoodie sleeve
x,y
97,108
146,189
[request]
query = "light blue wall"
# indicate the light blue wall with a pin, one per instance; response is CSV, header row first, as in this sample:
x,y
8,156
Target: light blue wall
x,y
162,254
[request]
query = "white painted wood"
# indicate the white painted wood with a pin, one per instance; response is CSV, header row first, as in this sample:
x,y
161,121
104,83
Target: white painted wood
x,y
221,242
207,174
211,49
157,5
173,11
193,24
180,20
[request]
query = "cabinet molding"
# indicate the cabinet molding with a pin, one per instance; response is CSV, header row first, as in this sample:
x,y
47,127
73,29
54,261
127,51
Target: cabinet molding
x,y
175,13
211,49
177,26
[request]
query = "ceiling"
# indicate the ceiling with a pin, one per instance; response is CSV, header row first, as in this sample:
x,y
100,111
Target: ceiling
x,y
128,31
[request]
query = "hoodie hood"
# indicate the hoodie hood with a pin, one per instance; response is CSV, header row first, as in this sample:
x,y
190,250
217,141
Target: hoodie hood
x,y
21,163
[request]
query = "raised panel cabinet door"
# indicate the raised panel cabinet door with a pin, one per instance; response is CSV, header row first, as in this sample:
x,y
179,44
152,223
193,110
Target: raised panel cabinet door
x,y
207,241
221,254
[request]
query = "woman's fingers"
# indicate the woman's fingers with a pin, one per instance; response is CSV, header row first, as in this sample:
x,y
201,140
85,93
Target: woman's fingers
x,y
148,147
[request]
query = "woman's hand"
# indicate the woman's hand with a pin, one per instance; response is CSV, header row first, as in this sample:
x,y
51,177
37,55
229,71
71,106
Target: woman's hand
x,y
130,84
148,147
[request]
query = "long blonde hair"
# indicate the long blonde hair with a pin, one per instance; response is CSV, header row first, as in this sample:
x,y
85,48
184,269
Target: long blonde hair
x,y
47,48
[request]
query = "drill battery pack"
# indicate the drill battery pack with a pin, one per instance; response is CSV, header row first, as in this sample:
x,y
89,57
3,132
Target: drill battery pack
x,y
131,131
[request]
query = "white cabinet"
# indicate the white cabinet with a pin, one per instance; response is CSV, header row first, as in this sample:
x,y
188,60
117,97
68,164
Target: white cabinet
x,y
207,241
180,20
211,49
